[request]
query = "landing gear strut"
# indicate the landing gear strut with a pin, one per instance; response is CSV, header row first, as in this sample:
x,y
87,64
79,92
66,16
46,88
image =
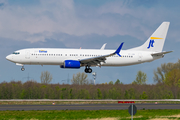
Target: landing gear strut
x,y
22,68
88,70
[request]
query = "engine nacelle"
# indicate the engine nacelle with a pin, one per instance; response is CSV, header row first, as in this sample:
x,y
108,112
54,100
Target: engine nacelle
x,y
71,64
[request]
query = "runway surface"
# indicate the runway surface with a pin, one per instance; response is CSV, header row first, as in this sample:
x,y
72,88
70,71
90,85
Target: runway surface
x,y
88,107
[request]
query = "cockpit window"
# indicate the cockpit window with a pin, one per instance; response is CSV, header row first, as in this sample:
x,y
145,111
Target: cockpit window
x,y
16,53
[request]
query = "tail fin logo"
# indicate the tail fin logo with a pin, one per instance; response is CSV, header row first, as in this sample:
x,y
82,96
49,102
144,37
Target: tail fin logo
x,y
151,42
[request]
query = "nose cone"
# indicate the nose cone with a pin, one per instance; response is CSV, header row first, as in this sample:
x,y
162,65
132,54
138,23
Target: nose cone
x,y
8,57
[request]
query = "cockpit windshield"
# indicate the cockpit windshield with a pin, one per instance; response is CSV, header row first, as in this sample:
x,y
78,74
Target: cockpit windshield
x,y
16,53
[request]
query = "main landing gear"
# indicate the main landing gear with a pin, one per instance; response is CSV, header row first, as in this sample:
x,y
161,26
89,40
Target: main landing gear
x,y
88,70
22,68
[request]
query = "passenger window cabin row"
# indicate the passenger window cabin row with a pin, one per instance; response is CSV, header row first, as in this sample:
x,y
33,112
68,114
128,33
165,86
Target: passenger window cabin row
x,y
86,55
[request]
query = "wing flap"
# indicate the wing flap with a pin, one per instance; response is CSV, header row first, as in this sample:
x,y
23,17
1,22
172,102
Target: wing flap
x,y
94,60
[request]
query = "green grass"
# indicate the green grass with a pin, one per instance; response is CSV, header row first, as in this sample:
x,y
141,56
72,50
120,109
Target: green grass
x,y
84,114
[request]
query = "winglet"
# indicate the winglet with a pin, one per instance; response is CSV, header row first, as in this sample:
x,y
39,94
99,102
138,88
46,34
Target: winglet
x,y
103,47
119,49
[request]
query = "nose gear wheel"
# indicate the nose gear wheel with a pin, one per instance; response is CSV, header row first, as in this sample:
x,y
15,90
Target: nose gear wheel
x,y
22,68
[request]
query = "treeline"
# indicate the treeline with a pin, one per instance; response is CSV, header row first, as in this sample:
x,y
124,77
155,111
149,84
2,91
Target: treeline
x,y
34,90
166,77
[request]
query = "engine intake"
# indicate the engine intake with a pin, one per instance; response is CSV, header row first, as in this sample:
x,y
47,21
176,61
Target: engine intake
x,y
71,64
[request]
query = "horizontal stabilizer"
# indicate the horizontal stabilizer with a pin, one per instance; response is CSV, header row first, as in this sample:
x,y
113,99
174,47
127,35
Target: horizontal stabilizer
x,y
161,53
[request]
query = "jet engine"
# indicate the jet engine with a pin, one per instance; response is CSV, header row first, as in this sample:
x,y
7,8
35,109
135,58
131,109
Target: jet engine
x,y
71,64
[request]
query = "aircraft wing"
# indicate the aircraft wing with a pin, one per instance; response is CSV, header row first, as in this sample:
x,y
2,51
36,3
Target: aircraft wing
x,y
99,59
161,53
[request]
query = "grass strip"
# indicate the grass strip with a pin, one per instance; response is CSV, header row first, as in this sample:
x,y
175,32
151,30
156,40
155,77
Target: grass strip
x,y
86,114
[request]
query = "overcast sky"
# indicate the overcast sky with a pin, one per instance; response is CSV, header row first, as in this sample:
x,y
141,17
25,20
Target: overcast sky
x,y
86,24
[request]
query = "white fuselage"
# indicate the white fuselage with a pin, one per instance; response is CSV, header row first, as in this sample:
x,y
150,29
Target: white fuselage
x,y
76,58
55,56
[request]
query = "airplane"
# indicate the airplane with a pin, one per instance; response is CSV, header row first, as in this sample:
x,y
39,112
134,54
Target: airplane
x,y
76,58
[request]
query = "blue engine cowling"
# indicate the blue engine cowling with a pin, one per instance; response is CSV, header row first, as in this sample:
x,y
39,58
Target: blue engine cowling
x,y
71,64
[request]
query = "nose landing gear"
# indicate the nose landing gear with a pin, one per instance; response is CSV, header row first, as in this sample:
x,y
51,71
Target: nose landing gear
x,y
22,68
88,70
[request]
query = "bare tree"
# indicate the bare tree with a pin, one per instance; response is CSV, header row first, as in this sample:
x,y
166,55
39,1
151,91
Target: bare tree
x,y
46,77
80,79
